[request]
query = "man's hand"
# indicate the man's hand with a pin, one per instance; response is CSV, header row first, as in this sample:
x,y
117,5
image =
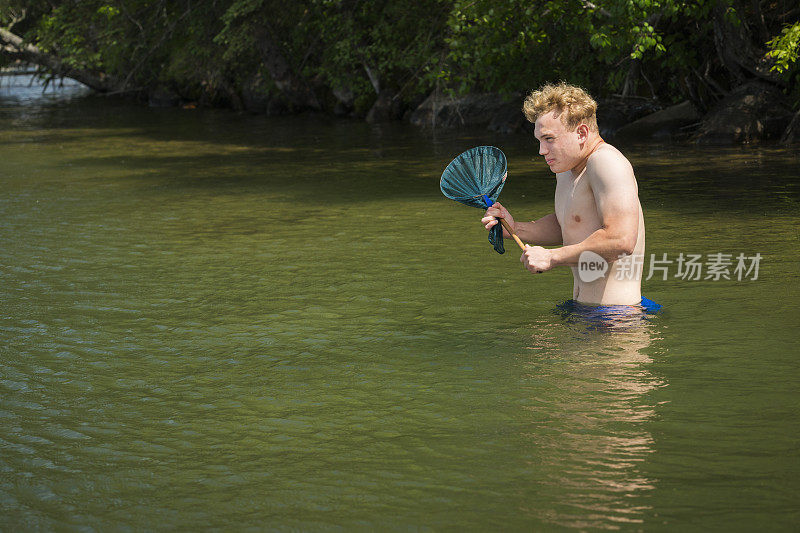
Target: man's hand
x,y
537,259
493,213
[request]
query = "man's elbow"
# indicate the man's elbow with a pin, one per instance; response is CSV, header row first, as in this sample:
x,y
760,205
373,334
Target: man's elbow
x,y
621,244
626,245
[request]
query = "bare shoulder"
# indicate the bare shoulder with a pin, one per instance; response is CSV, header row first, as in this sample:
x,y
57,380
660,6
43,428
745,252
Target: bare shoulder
x,y
608,163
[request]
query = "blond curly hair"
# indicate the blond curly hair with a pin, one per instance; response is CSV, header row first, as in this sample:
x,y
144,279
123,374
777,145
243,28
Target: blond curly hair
x,y
574,104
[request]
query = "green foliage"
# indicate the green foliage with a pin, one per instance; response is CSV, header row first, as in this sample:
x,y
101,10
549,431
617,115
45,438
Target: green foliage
x,y
517,44
784,48
397,42
215,50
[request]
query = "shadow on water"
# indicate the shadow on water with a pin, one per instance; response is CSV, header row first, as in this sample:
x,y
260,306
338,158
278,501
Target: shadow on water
x,y
683,179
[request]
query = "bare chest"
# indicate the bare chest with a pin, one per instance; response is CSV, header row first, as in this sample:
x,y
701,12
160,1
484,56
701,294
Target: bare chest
x,y
575,209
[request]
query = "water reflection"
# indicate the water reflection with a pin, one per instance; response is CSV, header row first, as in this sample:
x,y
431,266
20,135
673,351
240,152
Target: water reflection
x,y
592,403
607,317
25,88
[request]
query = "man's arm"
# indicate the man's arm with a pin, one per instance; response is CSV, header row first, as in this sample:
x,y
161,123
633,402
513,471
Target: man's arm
x,y
545,231
617,200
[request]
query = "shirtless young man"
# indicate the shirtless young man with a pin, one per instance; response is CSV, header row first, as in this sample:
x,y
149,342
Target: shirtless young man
x,y
597,205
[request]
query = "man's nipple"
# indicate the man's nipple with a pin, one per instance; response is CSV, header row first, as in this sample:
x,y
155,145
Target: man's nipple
x,y
577,218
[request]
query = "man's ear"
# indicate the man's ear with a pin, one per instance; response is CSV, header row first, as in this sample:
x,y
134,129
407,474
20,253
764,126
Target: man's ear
x,y
583,133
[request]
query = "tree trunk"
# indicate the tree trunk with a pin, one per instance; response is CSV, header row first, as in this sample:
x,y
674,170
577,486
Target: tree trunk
x,y
294,88
792,133
736,49
629,87
12,46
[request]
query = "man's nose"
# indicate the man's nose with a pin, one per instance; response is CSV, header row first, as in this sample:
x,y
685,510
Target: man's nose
x,y
542,149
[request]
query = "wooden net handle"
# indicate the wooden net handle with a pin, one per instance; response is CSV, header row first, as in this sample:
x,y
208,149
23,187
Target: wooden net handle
x,y
511,232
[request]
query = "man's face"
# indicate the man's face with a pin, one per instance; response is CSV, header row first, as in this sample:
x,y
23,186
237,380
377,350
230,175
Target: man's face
x,y
560,147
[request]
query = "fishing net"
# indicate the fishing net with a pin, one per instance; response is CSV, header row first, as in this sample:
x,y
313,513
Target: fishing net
x,y
475,178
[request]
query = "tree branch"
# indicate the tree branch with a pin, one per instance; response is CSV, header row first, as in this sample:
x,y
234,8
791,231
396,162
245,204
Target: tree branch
x,y
16,18
588,5
13,45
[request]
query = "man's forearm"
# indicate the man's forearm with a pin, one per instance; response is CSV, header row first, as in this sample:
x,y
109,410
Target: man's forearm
x,y
543,232
602,242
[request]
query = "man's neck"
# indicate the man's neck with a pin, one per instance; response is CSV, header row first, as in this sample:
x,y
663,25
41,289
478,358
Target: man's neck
x,y
589,148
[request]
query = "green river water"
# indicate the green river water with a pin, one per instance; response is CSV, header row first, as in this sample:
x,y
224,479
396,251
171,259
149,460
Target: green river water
x,y
220,321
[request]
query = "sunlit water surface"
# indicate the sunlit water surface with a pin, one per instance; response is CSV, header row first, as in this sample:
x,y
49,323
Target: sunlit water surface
x,y
228,321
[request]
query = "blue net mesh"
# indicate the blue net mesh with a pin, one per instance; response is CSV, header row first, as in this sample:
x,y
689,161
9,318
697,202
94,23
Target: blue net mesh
x,y
477,172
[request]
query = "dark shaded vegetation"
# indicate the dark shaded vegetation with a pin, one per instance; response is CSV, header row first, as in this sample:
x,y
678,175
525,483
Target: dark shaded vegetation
x,y
380,59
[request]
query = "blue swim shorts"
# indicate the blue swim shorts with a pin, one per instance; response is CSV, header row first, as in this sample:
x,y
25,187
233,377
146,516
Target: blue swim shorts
x,y
649,305
577,309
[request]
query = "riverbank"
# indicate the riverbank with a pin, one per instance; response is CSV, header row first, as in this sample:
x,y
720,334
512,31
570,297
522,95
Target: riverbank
x,y
752,113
